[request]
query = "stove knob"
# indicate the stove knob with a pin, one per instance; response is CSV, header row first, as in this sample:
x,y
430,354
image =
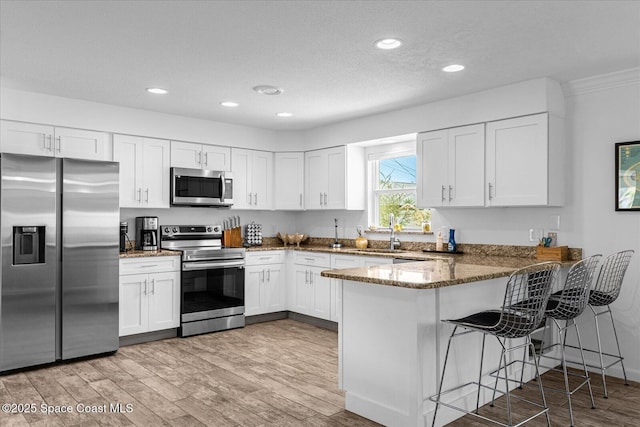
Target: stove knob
x,y
209,229
167,230
175,229
216,229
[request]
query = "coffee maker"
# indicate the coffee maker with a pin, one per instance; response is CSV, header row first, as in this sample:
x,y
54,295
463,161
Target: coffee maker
x,y
147,233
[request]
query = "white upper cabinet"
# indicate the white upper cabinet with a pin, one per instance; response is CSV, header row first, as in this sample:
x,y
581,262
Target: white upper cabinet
x,y
200,156
41,140
289,181
252,179
525,161
451,167
335,178
144,171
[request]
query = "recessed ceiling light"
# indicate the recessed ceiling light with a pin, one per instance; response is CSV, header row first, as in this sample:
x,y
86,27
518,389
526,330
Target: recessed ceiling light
x,y
284,114
157,90
229,104
268,90
453,68
387,44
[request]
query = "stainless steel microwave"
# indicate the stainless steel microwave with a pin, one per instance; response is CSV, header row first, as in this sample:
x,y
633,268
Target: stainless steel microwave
x,y
197,187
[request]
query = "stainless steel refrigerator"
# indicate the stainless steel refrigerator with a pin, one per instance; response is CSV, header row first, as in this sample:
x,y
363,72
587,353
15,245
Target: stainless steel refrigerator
x,y
59,250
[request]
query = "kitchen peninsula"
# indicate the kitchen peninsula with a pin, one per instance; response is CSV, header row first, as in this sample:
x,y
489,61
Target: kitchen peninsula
x,y
392,342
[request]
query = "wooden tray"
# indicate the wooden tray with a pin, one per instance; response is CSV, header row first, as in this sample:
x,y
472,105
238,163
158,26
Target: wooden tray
x,y
556,253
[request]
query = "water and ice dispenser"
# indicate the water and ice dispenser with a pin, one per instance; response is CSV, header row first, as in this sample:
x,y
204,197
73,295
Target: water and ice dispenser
x,y
28,245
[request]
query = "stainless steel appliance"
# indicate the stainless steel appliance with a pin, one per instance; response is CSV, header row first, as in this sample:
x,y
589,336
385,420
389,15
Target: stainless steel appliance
x,y
147,233
59,250
197,187
212,279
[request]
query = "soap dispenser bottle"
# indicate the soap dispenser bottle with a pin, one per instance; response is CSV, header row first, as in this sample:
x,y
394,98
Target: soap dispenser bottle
x,y
451,247
439,242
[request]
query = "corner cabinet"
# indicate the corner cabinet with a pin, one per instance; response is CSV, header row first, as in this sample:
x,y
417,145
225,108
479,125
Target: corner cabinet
x,y
264,282
252,179
42,140
149,294
450,167
525,161
144,171
289,181
310,292
335,178
200,156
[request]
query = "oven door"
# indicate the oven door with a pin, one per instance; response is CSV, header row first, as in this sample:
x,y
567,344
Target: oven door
x,y
212,289
195,187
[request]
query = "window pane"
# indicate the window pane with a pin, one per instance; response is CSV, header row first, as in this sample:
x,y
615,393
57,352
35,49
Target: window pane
x,y
397,172
403,206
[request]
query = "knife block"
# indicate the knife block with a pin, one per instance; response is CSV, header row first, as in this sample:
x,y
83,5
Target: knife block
x,y
232,238
556,253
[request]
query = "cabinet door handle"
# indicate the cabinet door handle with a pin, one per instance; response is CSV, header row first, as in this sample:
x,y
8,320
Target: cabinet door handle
x,y
139,194
145,286
147,195
300,199
199,161
311,277
58,144
320,199
442,194
250,194
255,199
153,286
262,276
206,159
325,199
490,188
306,277
48,147
269,275
450,191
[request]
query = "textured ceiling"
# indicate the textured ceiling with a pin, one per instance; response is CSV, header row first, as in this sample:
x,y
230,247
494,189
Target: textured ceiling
x,y
320,52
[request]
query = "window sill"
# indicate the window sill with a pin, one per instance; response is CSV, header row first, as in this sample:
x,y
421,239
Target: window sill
x,y
387,231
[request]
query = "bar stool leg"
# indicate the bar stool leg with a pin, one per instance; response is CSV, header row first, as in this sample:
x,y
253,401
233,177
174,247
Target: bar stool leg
x,y
563,336
604,380
615,334
506,383
544,401
484,336
495,386
584,365
444,367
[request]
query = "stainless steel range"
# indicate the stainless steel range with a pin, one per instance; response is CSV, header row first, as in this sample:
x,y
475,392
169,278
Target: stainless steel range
x,y
212,279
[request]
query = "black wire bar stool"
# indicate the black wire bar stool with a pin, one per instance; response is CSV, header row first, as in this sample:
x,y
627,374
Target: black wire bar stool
x,y
567,304
526,295
604,293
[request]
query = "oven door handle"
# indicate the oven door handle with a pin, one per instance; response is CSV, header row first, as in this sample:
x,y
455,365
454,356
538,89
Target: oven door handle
x,y
211,265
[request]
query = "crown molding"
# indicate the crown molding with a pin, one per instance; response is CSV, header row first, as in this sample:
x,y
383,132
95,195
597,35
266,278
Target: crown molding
x,y
616,79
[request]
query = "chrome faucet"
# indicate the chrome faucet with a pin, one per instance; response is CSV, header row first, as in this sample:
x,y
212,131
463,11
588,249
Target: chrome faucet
x,y
393,241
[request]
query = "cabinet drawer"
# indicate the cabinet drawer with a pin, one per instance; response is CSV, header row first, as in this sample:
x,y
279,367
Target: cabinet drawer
x,y
313,259
264,257
149,264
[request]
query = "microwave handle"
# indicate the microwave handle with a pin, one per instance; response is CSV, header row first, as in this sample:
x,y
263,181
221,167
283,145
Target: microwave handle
x,y
223,187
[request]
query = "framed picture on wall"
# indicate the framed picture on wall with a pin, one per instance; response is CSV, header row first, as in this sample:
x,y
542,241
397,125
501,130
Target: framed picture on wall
x,y
628,176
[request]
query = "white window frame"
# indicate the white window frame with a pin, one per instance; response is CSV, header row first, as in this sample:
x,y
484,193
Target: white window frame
x,y
374,155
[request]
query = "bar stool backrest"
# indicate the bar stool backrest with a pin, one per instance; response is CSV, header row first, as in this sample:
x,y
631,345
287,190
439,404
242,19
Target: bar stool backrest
x,y
572,300
525,299
607,287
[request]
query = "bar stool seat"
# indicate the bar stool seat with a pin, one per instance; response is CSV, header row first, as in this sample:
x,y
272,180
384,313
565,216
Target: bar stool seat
x,y
526,295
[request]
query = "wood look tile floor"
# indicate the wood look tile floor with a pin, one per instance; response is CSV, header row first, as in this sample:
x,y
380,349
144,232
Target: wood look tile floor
x,y
281,373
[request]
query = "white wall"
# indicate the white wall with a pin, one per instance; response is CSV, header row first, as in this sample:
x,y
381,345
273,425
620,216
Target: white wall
x,y
599,115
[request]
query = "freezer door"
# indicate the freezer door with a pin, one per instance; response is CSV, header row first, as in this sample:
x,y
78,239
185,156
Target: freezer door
x,y
90,252
28,275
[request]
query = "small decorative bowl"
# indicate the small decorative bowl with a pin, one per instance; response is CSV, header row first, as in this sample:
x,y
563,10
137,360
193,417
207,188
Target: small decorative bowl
x,y
299,238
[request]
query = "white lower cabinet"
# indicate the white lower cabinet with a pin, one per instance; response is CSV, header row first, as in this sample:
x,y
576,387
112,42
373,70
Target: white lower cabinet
x,y
348,261
149,294
310,293
264,282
